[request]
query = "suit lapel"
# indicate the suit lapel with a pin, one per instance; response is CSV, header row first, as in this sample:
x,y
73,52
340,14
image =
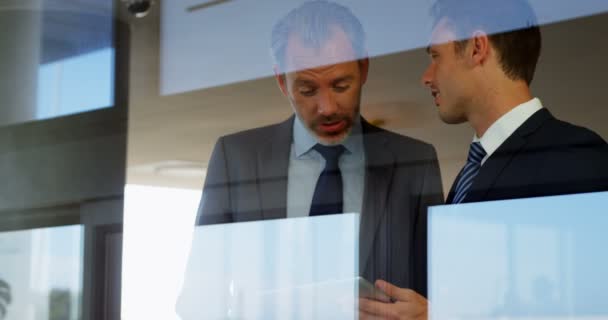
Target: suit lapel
x,y
452,192
380,163
273,162
498,161
493,167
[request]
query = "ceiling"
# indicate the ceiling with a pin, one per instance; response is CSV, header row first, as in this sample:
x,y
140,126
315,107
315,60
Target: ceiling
x,y
166,131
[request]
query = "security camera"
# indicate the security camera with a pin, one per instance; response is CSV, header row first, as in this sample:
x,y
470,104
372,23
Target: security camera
x,y
138,8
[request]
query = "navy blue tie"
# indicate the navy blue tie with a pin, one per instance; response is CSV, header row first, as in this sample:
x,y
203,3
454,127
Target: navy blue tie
x,y
468,173
327,198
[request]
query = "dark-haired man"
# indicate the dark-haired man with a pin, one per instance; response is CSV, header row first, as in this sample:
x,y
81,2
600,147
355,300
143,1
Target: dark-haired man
x,y
482,64
483,57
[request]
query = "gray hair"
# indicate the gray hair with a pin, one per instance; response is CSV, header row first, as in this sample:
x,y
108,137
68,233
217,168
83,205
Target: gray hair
x,y
312,21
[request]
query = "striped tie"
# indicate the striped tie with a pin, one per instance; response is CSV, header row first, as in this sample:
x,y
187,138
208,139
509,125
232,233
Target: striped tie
x,y
470,170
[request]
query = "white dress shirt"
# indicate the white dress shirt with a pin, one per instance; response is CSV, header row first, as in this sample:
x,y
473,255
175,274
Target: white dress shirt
x,y
504,127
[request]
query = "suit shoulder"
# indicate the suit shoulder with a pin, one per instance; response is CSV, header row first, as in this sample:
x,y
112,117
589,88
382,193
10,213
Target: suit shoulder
x,y
563,132
571,146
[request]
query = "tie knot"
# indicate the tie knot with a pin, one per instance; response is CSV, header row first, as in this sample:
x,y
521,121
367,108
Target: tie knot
x,y
476,153
331,154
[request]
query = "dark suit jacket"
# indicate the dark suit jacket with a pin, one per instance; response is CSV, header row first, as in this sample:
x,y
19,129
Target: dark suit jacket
x,y
247,180
543,157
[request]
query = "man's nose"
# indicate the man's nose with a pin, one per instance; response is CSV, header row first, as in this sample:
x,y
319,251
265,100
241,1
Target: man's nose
x,y
327,104
427,76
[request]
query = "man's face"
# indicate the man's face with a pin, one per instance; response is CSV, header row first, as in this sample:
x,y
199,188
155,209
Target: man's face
x,y
324,85
448,76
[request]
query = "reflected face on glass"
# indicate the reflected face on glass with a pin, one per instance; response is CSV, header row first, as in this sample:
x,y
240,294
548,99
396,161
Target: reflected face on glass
x,y
324,85
447,76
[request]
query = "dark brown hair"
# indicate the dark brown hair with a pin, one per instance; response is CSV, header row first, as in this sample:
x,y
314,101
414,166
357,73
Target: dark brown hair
x,y
511,26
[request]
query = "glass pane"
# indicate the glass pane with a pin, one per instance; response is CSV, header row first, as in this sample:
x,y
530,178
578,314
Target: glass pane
x,y
62,60
62,158
540,259
42,273
60,89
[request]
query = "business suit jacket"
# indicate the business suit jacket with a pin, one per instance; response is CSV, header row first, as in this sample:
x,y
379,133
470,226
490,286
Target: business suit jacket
x,y
247,180
543,157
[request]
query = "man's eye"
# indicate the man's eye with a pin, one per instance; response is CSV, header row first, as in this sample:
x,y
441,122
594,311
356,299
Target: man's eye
x,y
307,91
341,88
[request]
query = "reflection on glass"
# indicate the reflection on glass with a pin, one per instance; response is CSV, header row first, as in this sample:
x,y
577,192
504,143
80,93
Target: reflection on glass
x,y
76,71
57,58
41,274
76,84
274,269
538,258
195,56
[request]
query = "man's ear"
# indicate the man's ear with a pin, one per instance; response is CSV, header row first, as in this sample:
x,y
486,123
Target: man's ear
x,y
479,50
364,66
280,79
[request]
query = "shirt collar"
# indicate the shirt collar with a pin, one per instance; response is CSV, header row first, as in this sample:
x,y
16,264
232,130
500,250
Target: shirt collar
x,y
504,127
304,140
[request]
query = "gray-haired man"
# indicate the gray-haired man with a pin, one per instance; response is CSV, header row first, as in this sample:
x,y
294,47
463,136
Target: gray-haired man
x,y
327,159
